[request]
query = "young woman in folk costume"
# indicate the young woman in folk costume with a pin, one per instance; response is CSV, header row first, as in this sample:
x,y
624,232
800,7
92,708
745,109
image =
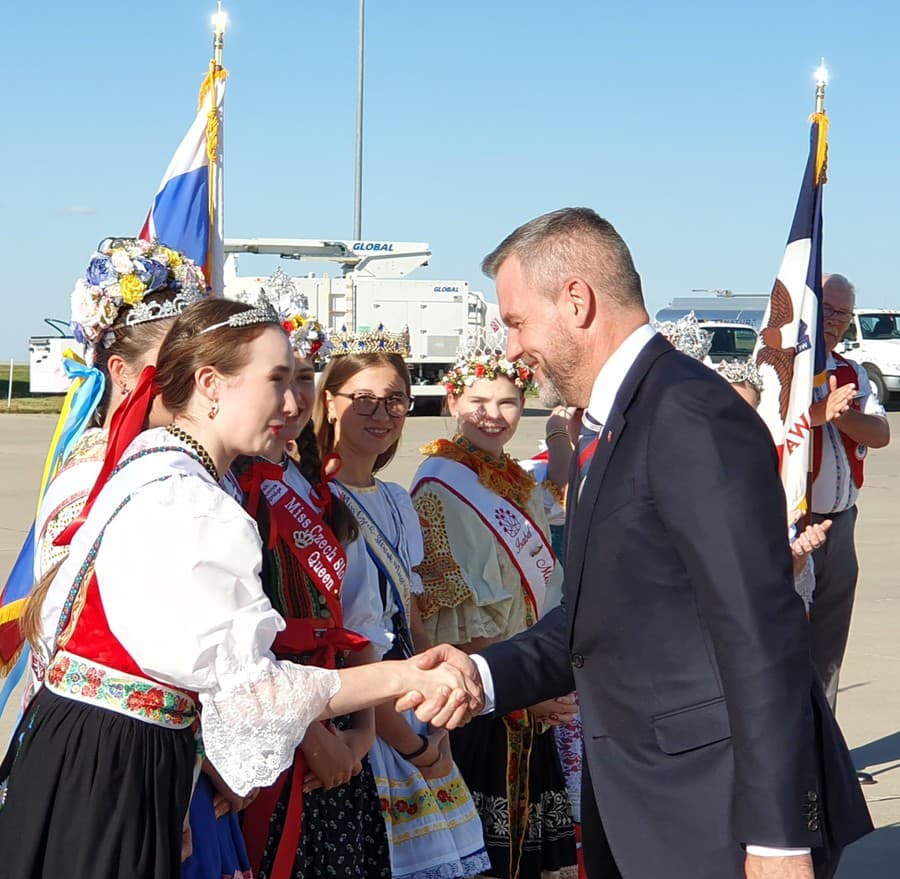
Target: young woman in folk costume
x,y
488,567
363,399
121,310
164,610
321,818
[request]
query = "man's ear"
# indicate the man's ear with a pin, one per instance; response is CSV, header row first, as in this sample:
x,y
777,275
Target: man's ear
x,y
579,301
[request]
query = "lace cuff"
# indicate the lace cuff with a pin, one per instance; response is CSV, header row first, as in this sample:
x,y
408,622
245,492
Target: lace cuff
x,y
252,727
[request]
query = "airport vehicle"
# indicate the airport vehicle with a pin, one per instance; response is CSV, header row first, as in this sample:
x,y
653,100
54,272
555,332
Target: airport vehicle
x,y
372,290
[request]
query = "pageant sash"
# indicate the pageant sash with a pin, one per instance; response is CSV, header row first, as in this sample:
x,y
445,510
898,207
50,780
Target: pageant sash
x,y
525,544
310,540
382,552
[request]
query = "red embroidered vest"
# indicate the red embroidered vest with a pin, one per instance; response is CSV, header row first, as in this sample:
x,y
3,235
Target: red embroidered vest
x,y
856,453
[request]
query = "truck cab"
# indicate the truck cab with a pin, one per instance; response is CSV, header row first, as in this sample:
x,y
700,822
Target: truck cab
x,y
873,341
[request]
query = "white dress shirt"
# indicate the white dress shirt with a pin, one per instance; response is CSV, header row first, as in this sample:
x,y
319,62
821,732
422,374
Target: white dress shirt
x,y
603,395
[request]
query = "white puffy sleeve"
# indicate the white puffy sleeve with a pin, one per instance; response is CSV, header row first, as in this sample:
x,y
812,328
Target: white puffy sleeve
x,y
178,572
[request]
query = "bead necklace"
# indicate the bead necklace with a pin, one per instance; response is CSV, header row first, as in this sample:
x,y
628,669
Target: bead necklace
x,y
205,458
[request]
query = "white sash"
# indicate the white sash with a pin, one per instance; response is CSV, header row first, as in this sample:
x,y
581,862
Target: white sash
x,y
527,547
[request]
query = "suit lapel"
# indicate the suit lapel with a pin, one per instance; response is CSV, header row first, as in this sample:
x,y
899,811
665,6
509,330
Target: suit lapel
x,y
579,517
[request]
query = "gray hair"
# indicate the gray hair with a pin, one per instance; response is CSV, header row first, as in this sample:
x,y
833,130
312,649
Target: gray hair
x,y
839,281
571,241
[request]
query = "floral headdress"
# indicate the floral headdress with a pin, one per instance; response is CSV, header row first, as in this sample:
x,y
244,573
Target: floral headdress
x,y
307,335
686,335
121,274
487,366
737,371
481,357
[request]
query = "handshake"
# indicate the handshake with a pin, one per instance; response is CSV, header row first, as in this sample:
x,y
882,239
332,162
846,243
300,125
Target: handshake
x,y
442,685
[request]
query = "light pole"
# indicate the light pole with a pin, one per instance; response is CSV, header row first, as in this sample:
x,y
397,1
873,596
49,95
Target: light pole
x,y
360,67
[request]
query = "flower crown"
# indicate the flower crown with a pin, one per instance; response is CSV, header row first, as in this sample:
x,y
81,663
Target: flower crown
x,y
377,341
120,274
487,366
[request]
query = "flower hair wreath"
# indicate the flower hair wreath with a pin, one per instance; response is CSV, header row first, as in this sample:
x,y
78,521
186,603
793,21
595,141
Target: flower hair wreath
x,y
489,367
121,273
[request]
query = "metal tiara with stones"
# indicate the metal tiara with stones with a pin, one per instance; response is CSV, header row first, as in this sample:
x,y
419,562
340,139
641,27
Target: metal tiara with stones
x,y
262,313
144,312
377,341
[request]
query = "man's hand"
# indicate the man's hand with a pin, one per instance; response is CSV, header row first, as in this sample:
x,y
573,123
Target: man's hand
x,y
834,405
445,693
462,662
795,867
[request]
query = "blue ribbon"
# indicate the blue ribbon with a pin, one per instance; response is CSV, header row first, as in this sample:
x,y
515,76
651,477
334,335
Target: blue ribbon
x,y
84,403
14,677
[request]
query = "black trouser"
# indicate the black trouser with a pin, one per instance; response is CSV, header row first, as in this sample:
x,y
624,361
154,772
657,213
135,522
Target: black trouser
x,y
837,571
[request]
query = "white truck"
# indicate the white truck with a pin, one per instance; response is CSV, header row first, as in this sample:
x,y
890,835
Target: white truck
x,y
372,289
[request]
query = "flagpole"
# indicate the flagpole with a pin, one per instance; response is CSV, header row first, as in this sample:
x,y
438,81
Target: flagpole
x,y
821,78
216,253
360,76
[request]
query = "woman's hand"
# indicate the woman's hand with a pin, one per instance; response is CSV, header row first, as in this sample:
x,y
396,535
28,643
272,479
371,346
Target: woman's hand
x,y
443,763
556,712
331,762
359,741
443,693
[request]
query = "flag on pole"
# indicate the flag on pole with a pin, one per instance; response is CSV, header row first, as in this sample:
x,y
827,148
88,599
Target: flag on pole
x,y
791,349
186,212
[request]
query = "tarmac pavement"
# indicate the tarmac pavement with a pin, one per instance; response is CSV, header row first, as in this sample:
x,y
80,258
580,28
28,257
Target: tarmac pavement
x,y
869,702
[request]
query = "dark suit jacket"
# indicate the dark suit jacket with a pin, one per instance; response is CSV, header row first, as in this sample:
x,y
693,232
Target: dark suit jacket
x,y
704,725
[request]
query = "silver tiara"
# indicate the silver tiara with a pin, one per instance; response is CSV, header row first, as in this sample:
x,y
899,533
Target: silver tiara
x,y
737,371
144,312
686,335
262,313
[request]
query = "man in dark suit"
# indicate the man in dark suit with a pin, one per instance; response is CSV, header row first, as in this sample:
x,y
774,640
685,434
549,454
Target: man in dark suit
x,y
710,752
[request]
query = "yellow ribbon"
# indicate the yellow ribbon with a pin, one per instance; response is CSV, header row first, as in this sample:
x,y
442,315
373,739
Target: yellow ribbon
x,y
821,120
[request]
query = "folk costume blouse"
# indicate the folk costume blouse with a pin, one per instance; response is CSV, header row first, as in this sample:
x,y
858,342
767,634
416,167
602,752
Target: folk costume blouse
x,y
177,571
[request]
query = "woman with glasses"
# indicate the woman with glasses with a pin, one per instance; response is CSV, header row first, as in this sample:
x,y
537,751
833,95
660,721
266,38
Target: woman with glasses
x,y
489,573
364,397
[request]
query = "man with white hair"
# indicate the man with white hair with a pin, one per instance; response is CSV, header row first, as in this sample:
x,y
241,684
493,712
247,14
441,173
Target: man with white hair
x,y
848,420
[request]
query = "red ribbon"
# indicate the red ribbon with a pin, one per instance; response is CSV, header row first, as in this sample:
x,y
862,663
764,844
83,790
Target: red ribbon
x,y
127,422
321,494
251,484
318,638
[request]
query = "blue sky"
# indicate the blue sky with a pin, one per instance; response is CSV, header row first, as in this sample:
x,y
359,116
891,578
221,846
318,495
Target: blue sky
x,y
684,124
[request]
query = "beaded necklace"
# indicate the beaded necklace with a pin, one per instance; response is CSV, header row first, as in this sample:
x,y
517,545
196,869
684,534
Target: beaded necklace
x,y
205,458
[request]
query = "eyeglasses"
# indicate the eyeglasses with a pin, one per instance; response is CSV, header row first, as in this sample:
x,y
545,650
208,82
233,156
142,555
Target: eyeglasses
x,y
396,405
836,313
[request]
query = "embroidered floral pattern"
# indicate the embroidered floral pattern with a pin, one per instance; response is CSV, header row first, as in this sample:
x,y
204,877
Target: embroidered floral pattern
x,y
442,577
72,676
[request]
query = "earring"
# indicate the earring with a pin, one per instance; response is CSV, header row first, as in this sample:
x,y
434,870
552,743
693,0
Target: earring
x,y
125,391
214,410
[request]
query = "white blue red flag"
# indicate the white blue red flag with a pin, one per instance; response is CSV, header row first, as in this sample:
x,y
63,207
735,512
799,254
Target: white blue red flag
x,y
185,214
791,350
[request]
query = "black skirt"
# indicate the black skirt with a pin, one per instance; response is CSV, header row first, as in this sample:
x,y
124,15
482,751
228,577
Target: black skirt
x,y
518,786
93,793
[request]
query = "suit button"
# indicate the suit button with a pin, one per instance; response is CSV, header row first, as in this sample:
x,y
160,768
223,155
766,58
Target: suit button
x,y
812,796
813,825
577,660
